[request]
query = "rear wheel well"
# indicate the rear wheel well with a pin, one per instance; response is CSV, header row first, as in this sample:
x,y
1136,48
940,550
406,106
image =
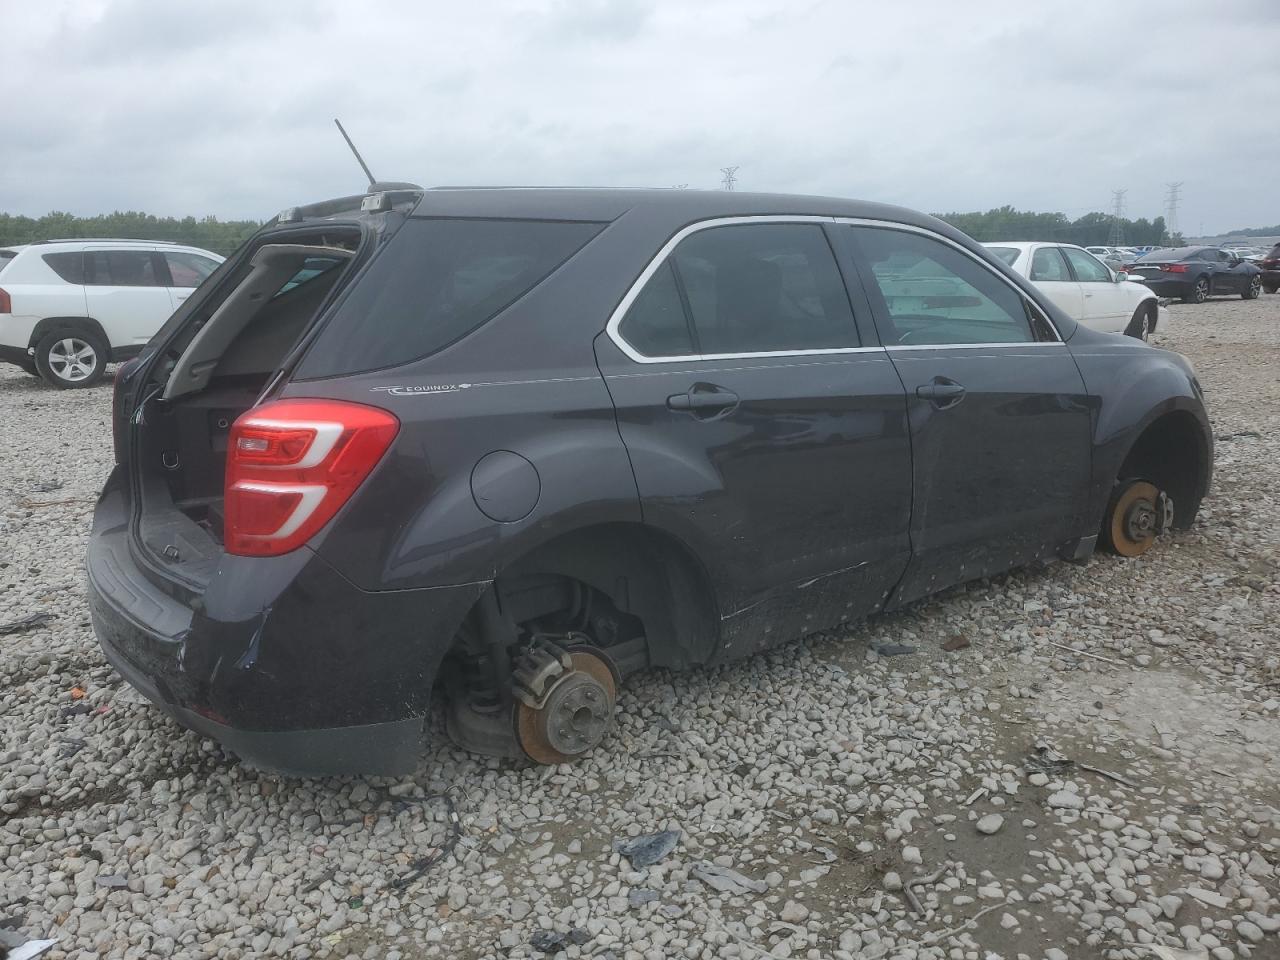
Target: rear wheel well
x,y
636,592
1172,452
53,324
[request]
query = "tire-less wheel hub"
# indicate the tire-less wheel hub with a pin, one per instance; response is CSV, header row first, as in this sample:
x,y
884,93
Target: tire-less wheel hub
x,y
564,702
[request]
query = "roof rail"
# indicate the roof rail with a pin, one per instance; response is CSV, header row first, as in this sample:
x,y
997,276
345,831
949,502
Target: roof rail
x,y
176,243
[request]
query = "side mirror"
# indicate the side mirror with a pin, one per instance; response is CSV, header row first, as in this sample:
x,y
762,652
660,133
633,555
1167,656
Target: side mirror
x,y
1120,277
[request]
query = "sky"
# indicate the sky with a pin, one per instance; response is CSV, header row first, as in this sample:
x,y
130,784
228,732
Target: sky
x,y
177,107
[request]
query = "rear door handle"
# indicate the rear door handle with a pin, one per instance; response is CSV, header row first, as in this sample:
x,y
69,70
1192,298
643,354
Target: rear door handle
x,y
703,399
941,392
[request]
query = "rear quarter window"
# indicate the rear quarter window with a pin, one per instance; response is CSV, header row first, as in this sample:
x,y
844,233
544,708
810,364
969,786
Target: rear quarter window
x,y
68,266
437,280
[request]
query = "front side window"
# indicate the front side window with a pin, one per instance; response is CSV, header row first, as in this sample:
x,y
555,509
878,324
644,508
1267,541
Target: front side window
x,y
1087,268
1047,264
120,268
188,269
932,293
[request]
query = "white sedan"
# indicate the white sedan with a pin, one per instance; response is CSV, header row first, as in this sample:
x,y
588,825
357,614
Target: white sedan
x,y
1086,288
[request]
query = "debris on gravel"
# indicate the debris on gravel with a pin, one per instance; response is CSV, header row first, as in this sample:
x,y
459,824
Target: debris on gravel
x,y
830,798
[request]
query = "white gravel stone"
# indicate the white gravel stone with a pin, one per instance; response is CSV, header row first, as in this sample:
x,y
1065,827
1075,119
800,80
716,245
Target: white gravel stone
x,y
990,824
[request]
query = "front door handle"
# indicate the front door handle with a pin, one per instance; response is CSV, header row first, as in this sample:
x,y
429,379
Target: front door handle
x,y
703,399
941,392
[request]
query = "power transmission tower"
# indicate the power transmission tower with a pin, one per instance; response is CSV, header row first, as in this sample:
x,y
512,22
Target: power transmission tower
x,y
1116,237
728,179
1171,208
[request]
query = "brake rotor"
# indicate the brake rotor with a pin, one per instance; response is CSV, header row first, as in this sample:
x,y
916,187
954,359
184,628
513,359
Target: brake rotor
x,y
576,714
1136,518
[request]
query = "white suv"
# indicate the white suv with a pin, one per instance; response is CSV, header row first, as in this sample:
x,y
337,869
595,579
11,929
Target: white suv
x,y
68,307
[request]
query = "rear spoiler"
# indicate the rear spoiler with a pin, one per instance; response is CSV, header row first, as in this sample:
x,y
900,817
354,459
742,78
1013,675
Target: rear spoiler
x,y
381,196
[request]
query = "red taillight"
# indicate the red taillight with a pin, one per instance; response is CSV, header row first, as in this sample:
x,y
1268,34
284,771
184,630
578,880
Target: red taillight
x,y
292,464
1174,267
6,304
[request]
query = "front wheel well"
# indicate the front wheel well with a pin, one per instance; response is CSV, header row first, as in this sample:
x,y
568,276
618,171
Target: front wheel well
x,y
1172,453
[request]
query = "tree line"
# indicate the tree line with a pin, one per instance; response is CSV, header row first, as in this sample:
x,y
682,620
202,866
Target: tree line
x,y
209,233
1092,229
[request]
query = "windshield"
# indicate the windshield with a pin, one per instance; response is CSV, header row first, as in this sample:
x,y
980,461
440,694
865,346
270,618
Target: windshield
x,y
1007,254
5,257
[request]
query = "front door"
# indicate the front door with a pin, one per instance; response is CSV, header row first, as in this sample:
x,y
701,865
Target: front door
x,y
1000,423
126,293
762,431
1106,303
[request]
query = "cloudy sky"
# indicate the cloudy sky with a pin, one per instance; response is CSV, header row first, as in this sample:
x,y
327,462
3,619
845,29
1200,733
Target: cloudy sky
x,y
180,107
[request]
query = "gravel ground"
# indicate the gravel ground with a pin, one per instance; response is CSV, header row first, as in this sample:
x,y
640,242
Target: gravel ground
x,y
1094,774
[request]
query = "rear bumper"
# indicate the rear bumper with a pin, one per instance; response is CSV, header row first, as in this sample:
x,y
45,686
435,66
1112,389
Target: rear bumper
x,y
1169,288
1271,278
282,660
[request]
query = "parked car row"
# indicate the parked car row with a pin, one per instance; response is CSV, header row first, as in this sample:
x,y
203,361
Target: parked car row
x,y
69,307
1085,288
509,446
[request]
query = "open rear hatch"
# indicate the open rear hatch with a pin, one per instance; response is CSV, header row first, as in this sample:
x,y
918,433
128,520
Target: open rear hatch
x,y
214,367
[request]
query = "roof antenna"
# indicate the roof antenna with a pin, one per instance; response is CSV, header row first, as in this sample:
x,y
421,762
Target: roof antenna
x,y
359,159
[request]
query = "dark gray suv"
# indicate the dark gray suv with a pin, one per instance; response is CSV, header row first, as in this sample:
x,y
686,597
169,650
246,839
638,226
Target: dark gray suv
x,y
512,445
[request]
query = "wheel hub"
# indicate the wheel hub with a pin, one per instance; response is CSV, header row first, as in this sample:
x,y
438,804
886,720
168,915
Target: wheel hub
x,y
72,359
577,714
1140,520
570,708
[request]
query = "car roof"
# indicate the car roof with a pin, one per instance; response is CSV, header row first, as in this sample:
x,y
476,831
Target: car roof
x,y
1029,244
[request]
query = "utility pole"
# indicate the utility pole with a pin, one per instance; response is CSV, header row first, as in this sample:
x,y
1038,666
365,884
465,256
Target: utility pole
x,y
1171,208
1116,237
727,180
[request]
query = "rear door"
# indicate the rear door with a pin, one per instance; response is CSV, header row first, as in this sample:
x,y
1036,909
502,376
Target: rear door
x,y
126,292
1000,423
186,272
762,429
1106,303
1221,280
1049,272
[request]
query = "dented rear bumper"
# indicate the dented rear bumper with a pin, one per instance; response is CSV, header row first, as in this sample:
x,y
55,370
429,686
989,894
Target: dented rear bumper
x,y
281,659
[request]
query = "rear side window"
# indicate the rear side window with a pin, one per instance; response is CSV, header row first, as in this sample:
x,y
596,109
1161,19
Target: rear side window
x,y
1008,254
188,269
656,324
753,288
68,266
121,268
1047,264
437,281
764,288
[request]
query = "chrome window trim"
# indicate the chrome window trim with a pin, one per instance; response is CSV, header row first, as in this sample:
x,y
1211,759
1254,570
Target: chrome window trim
x,y
620,311
1021,344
